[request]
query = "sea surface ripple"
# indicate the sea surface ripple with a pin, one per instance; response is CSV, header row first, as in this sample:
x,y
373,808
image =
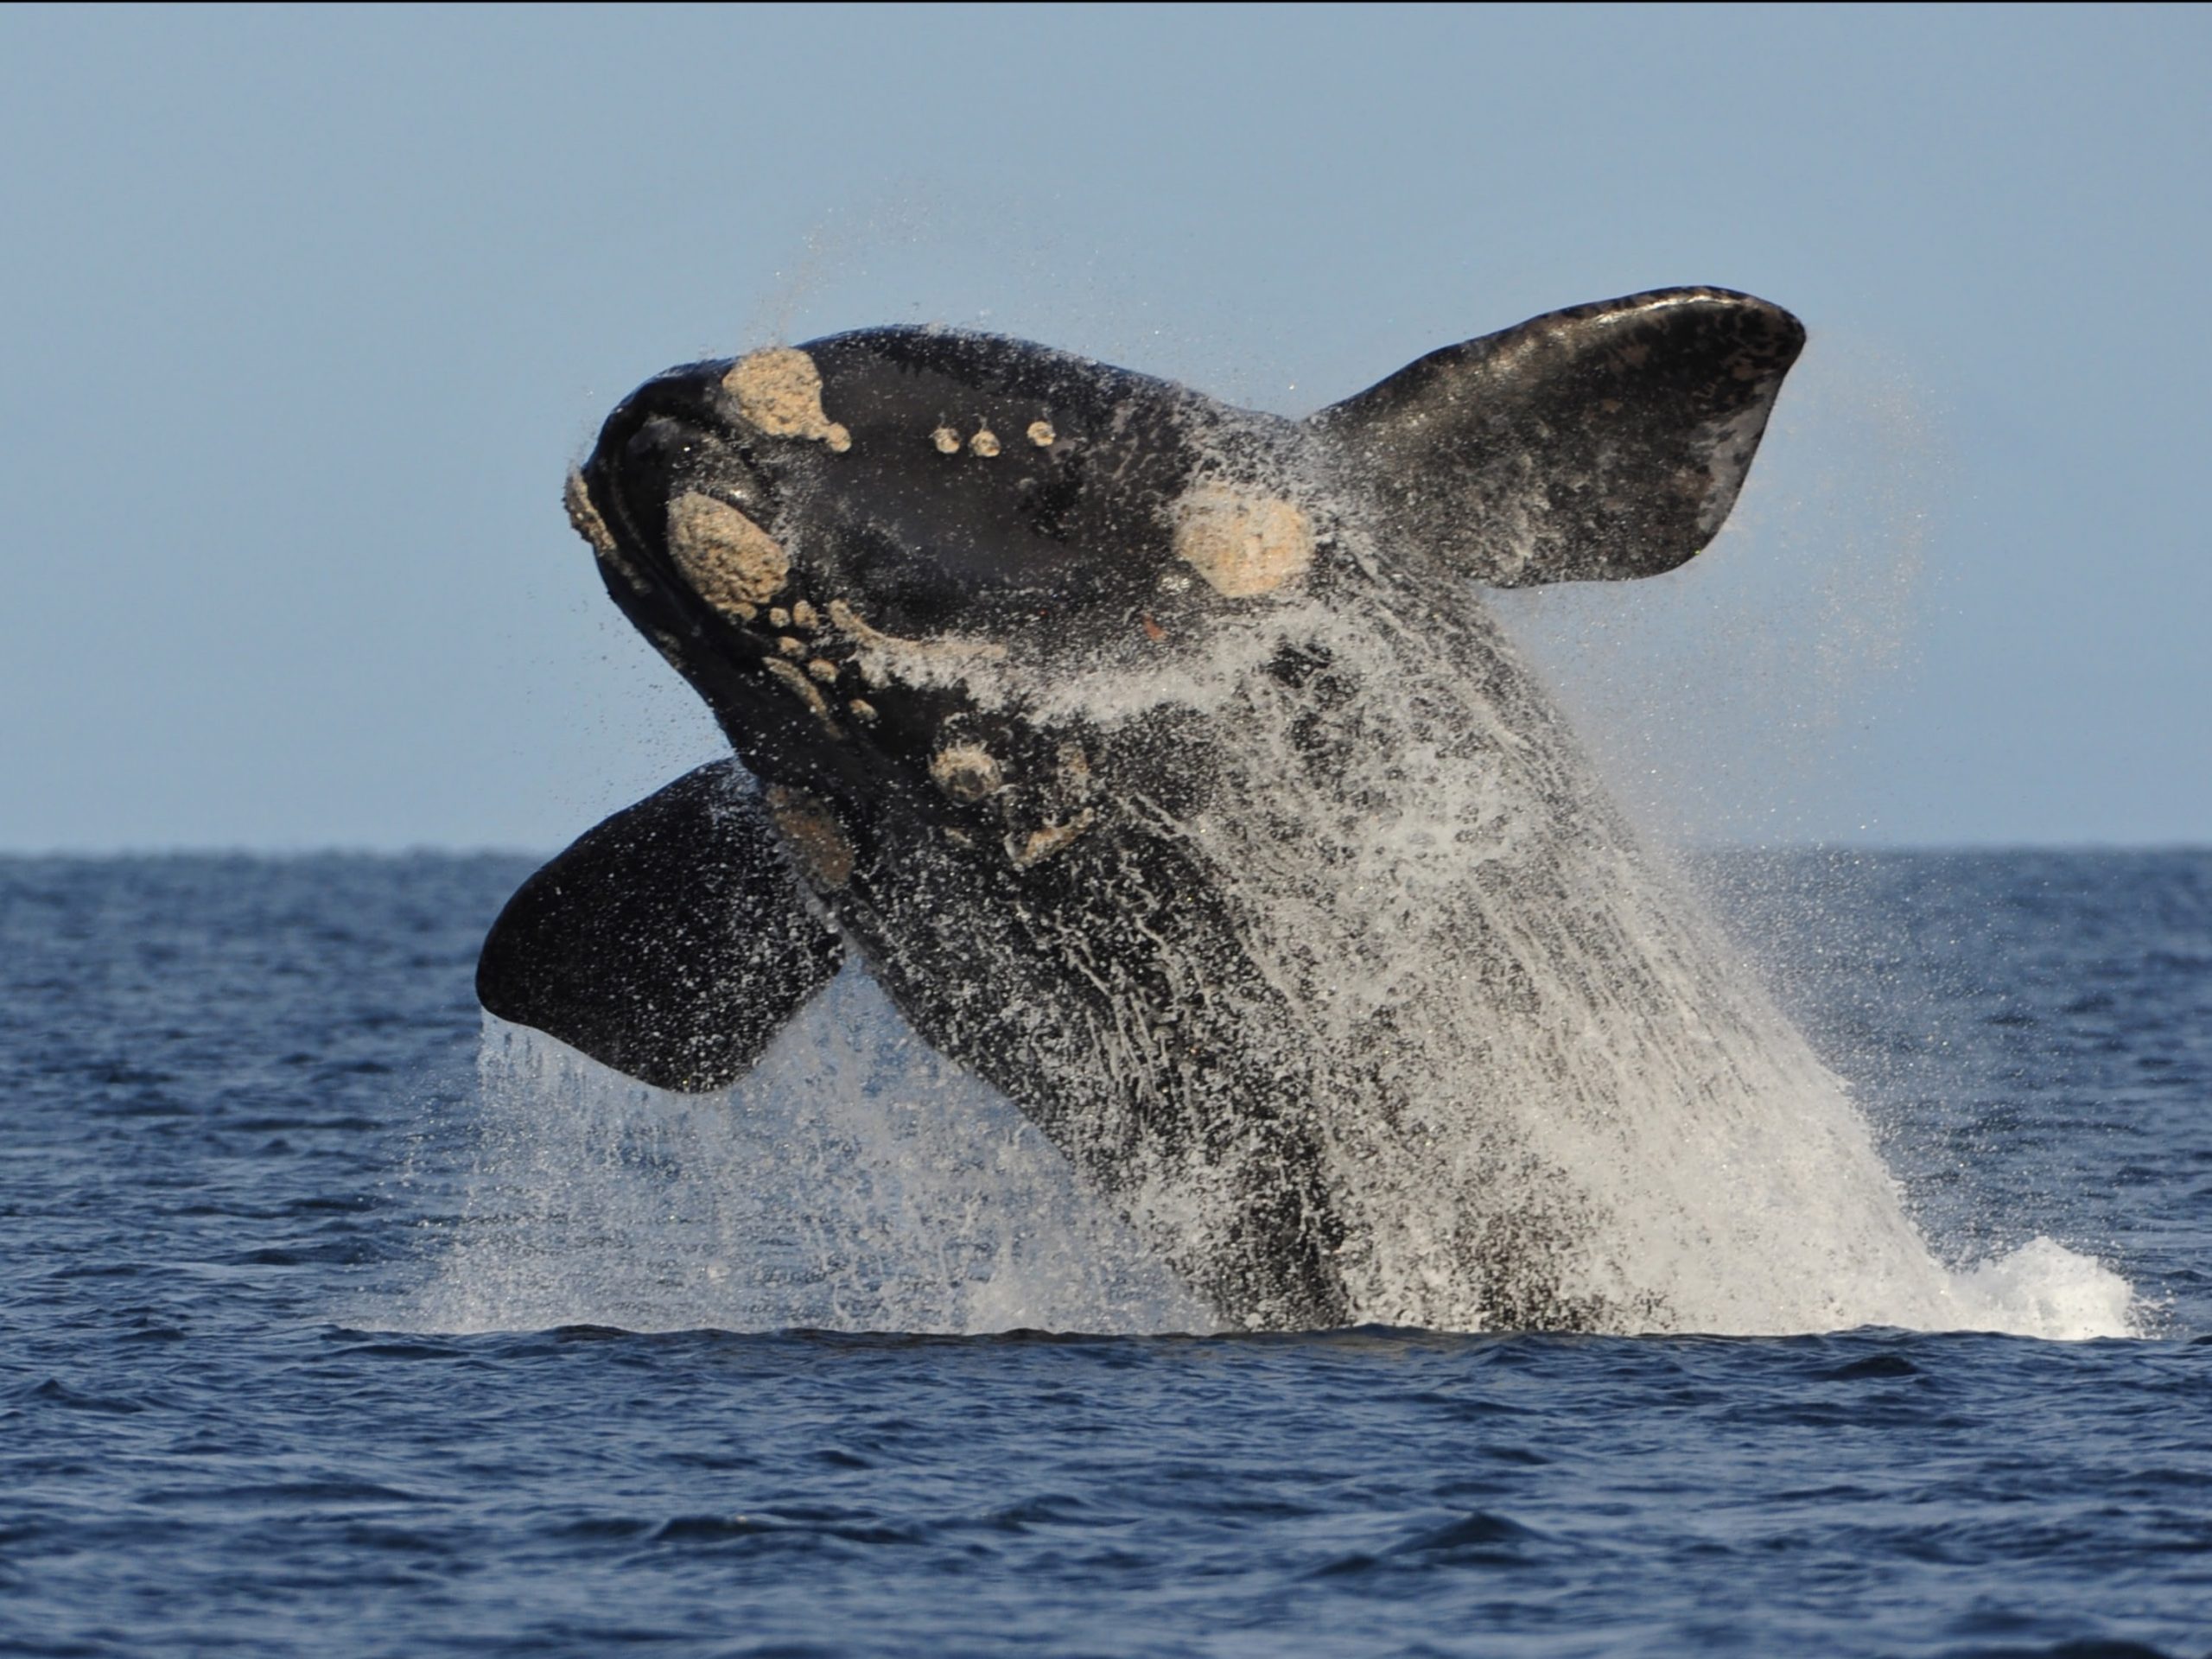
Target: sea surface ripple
x,y
230,1084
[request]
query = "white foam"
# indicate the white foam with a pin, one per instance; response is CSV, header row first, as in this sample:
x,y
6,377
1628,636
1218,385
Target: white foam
x,y
854,1181
857,1182
2043,1289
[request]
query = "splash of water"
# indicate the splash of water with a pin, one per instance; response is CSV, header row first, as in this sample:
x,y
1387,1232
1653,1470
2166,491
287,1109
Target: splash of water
x,y
854,1181
1549,1090
857,1181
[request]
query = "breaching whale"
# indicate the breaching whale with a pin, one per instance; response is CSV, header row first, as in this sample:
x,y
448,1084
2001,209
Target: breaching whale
x,y
1160,761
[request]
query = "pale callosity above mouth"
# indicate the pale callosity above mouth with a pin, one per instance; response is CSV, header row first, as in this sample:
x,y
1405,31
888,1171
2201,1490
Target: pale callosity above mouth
x,y
713,560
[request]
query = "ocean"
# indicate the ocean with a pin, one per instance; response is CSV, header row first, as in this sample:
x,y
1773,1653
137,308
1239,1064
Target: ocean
x,y
336,1319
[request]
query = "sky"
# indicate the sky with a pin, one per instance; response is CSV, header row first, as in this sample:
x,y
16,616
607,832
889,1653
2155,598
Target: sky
x,y
309,311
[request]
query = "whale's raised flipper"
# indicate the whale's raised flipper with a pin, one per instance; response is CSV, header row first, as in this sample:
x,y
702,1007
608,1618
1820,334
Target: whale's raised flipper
x,y
1604,441
670,942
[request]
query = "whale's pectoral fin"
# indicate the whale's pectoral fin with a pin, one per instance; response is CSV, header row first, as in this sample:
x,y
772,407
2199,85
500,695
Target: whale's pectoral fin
x,y
1601,442
670,943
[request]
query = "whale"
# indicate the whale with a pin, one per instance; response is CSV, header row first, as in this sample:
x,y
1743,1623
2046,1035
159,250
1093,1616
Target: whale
x,y
1163,763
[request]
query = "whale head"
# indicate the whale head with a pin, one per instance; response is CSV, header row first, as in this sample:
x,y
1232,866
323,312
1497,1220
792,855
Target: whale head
x,y
842,545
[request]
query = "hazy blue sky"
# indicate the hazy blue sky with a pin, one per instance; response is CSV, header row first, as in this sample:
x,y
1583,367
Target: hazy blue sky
x,y
307,312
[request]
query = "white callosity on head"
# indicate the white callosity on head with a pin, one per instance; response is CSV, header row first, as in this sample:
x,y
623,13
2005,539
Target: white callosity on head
x,y
946,439
1069,817
886,659
583,514
1041,433
794,680
966,772
1037,845
730,561
780,392
1244,542
985,443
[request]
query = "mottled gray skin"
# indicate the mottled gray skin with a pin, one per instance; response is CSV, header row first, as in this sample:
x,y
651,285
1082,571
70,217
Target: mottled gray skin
x,y
1122,721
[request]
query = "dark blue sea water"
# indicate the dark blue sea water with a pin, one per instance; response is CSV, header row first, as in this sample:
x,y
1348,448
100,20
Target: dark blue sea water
x,y
284,1366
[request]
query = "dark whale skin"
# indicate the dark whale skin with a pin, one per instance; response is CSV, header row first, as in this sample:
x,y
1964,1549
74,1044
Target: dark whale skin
x,y
941,591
